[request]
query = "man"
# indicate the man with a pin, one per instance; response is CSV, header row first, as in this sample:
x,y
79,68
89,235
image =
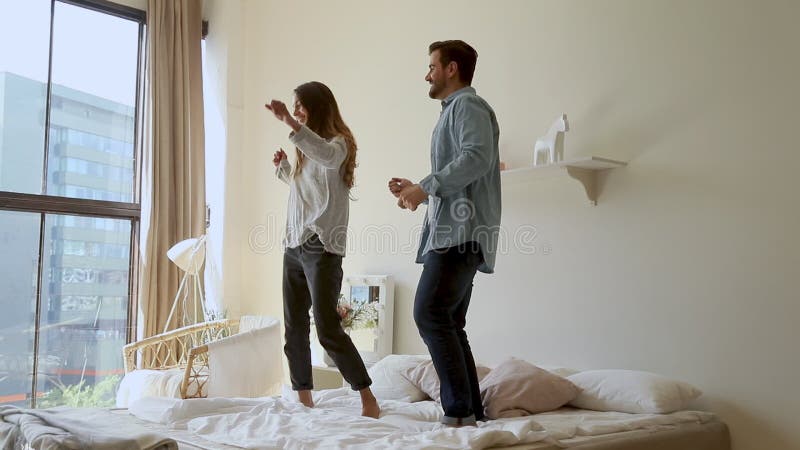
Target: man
x,y
461,226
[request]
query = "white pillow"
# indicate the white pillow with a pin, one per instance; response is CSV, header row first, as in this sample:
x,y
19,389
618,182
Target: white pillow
x,y
388,383
142,383
631,391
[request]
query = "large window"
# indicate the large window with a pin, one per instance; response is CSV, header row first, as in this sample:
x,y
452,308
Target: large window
x,y
70,89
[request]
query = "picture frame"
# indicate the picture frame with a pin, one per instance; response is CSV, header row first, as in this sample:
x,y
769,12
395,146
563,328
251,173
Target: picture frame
x,y
373,343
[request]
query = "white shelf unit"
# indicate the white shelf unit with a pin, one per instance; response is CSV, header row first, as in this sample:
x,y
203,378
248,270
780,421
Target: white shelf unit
x,y
583,169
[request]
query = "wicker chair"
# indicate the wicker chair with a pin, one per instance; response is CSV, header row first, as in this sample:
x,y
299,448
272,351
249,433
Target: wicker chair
x,y
181,348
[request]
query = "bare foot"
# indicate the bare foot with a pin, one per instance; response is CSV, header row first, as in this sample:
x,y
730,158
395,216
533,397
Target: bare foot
x,y
305,398
369,404
371,409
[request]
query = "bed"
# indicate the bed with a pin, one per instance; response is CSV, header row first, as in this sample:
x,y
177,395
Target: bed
x,y
407,421
281,423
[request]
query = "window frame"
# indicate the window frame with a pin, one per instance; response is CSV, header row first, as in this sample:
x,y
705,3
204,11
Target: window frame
x,y
49,204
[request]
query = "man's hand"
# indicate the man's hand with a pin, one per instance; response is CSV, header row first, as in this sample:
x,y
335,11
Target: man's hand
x,y
412,196
398,184
278,157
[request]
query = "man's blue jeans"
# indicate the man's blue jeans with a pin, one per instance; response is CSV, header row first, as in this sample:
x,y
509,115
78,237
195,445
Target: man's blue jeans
x,y
440,311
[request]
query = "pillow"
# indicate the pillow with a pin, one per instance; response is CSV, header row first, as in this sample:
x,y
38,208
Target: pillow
x,y
424,377
388,383
631,391
518,388
142,383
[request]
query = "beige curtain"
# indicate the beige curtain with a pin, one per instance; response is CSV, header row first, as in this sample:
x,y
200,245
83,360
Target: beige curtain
x,y
173,169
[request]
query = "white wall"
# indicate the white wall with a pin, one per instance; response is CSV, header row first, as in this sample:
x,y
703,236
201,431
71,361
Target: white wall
x,y
685,268
222,80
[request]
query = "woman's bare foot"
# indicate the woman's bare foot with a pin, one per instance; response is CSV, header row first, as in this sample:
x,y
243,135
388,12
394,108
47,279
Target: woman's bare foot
x,y
305,398
369,404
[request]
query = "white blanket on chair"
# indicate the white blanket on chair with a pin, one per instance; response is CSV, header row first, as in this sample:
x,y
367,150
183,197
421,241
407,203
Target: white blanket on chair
x,y
247,364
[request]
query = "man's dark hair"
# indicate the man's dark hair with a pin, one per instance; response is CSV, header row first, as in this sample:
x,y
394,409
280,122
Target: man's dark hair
x,y
461,53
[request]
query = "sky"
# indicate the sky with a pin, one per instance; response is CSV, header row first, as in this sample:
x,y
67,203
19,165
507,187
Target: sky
x,y
92,52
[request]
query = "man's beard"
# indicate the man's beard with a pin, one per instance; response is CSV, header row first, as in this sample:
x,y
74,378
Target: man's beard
x,y
434,91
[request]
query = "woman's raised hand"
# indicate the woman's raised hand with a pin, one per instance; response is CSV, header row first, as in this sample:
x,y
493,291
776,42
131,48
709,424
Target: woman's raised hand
x,y
279,109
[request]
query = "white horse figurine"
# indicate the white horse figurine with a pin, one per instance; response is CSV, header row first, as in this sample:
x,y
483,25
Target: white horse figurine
x,y
552,143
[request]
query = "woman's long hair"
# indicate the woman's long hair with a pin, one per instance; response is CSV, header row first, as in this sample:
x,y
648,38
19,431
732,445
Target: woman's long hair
x,y
325,120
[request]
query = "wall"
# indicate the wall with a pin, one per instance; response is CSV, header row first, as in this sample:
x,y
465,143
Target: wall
x,y
222,83
685,267
223,102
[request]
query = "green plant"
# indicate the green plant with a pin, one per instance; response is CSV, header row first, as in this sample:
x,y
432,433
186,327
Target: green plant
x,y
100,394
357,315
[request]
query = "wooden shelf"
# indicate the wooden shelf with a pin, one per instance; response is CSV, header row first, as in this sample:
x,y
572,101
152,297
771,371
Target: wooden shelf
x,y
583,169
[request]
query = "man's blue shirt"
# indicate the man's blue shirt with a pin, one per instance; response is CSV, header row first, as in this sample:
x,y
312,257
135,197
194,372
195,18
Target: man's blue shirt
x,y
464,185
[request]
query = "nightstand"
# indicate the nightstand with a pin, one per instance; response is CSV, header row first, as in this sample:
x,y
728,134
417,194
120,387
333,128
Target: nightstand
x,y
326,377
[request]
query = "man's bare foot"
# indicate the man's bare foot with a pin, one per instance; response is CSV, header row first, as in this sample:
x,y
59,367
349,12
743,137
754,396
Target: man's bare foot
x,y
369,404
305,398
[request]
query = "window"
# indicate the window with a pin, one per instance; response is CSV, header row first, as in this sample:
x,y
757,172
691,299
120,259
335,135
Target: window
x,y
70,88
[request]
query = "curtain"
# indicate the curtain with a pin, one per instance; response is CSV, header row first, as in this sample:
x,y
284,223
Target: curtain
x,y
173,165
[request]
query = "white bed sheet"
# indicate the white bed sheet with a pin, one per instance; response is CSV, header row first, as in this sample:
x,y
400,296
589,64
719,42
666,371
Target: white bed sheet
x,y
335,423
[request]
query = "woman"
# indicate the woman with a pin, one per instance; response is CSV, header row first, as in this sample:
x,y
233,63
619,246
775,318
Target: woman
x,y
316,234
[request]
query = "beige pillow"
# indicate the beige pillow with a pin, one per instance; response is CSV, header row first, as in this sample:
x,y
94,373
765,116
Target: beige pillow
x,y
425,378
517,388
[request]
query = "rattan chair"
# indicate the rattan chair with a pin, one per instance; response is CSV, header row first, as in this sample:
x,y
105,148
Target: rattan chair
x,y
181,348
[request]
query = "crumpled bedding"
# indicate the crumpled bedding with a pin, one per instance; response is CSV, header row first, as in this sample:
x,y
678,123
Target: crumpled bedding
x,y
75,428
335,423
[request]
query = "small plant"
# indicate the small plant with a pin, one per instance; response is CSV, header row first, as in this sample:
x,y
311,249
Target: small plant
x,y
81,395
357,315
